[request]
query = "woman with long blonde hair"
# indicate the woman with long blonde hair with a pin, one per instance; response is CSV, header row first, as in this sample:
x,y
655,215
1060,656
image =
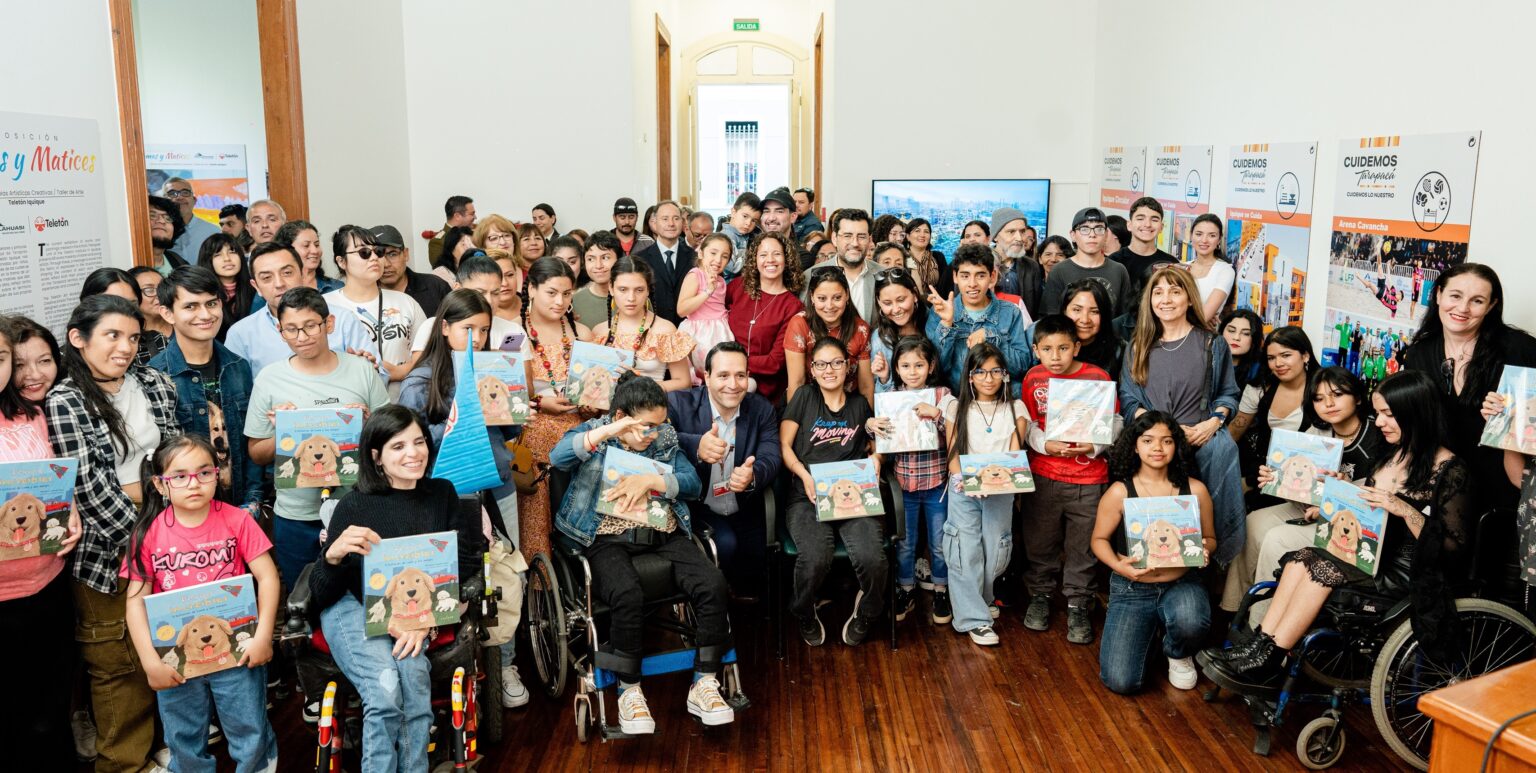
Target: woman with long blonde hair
x,y
1177,365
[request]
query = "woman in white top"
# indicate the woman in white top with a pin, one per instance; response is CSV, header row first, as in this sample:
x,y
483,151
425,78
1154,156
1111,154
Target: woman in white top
x,y
391,316
1213,274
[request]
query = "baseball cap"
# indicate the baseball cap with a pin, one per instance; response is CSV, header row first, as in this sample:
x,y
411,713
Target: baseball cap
x,y
1087,215
625,206
782,196
388,235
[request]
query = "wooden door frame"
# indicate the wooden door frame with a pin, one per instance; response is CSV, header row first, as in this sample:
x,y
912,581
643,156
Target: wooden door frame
x,y
663,111
818,66
283,104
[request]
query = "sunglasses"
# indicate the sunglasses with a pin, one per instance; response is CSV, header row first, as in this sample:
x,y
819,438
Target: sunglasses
x,y
368,253
892,274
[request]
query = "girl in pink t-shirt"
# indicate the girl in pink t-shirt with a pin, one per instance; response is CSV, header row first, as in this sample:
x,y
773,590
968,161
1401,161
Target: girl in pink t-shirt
x,y
185,537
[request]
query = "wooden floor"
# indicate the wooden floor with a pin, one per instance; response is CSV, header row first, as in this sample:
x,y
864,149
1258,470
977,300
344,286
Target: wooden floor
x,y
937,703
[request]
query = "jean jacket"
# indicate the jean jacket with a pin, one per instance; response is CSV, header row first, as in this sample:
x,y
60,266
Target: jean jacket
x,y
578,517
192,412
1005,330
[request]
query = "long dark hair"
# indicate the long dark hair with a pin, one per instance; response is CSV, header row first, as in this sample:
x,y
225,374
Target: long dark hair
x,y
451,238
97,282
629,264
1215,220
848,322
437,355
234,309
1293,338
84,319
1124,461
154,502
544,269
382,425
1488,354
21,330
1104,351
1415,404
976,359
1336,379
1250,366
889,333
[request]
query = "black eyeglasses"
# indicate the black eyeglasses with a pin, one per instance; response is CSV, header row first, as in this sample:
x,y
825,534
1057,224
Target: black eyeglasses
x,y
892,274
366,254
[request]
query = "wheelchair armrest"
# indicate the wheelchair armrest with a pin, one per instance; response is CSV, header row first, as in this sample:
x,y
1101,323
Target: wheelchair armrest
x,y
895,505
298,603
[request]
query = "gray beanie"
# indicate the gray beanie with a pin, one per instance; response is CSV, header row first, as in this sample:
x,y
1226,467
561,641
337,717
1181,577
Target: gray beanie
x,y
1004,216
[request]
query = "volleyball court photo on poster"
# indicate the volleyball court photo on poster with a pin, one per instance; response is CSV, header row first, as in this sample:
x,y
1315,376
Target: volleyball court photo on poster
x,y
909,432
1515,428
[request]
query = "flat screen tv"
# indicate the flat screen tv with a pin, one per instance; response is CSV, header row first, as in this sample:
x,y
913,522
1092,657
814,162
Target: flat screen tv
x,y
949,204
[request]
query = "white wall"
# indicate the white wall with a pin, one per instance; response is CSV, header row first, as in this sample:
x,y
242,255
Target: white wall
x,y
200,77
355,138
69,43
1000,89
1316,70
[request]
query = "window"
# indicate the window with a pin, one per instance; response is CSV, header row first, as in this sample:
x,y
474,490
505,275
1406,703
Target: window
x,y
740,158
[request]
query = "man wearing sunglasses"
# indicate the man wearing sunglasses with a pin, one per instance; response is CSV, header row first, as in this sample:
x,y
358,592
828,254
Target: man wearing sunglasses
x,y
1088,232
196,229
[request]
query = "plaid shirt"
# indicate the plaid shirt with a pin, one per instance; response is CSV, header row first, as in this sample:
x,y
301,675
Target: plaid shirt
x,y
924,470
107,514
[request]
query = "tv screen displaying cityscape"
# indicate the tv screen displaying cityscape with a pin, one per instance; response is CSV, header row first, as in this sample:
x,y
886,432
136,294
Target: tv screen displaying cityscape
x,y
949,204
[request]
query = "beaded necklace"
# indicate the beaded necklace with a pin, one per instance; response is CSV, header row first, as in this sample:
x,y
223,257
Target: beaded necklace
x,y
549,368
613,331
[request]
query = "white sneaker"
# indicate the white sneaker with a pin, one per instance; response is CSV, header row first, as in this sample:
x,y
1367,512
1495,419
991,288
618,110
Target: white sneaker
x,y
985,636
312,713
84,731
513,693
635,714
704,702
1182,673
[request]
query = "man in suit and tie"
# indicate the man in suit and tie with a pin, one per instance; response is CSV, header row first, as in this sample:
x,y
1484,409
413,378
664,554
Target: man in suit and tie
x,y
670,258
731,434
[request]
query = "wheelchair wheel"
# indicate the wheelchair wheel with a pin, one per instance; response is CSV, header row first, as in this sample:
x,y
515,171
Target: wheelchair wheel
x,y
1490,636
488,699
1339,665
546,626
1320,743
583,718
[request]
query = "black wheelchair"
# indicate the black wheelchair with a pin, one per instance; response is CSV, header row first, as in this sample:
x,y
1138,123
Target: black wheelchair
x,y
562,620
1362,650
462,670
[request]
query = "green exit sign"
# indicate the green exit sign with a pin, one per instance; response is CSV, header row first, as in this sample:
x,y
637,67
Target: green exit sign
x,y
747,25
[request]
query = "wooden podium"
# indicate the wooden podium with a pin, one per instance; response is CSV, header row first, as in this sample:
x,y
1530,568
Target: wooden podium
x,y
1466,715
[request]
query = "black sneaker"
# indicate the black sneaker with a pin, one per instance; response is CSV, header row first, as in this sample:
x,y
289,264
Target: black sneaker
x,y
812,631
1079,626
904,603
1038,616
856,630
1255,669
941,612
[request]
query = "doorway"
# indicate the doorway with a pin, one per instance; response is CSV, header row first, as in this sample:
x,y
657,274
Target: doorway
x,y
743,142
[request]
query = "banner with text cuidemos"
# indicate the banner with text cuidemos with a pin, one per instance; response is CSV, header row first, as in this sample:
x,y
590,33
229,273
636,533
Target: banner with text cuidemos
x,y
1269,225
53,214
1180,180
1402,214
1122,178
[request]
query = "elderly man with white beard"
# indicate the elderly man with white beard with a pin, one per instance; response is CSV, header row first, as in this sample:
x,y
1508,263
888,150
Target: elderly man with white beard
x,y
1017,272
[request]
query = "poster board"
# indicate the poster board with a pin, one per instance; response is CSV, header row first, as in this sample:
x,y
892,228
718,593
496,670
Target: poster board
x,y
1122,178
1180,180
1269,227
217,173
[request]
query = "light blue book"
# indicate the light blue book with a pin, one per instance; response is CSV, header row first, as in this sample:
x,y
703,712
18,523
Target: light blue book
x,y
501,381
200,629
619,464
1006,472
1300,461
594,372
1348,528
38,497
411,583
317,447
1514,429
909,432
1164,531
847,489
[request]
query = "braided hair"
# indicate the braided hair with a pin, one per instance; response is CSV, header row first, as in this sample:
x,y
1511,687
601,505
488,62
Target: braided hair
x,y
630,265
543,270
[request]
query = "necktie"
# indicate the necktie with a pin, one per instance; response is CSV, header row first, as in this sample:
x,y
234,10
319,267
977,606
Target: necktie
x,y
669,260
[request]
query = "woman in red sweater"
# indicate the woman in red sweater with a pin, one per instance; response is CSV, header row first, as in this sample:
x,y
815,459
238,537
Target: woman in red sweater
x,y
759,305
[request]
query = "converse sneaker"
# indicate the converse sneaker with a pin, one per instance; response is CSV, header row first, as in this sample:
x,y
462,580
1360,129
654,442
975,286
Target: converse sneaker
x,y
924,572
635,714
812,631
1038,616
513,693
1182,673
941,612
312,713
704,702
985,636
995,609
904,603
1079,626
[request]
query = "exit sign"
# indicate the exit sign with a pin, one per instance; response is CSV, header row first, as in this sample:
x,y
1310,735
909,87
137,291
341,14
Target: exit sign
x,y
747,25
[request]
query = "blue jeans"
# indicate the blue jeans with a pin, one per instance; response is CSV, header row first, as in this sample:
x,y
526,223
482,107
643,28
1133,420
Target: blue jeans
x,y
925,508
240,694
978,543
397,694
1219,471
1136,610
295,545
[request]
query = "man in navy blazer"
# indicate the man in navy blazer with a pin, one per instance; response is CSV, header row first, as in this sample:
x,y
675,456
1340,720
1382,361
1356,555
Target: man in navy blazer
x,y
670,257
731,434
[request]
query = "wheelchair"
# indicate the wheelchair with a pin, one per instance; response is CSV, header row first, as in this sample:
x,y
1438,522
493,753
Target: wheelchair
x,y
462,670
1362,650
562,621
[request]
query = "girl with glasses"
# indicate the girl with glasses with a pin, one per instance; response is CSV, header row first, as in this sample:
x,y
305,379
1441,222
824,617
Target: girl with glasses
x,y
831,315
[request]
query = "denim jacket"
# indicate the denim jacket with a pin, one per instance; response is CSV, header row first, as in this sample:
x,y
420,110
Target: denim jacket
x,y
1221,382
877,346
235,381
578,517
1005,330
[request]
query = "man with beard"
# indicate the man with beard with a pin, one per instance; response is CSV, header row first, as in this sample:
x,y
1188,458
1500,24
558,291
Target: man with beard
x,y
232,222
625,214
850,237
195,229
806,221
779,213
1017,273
263,219
165,227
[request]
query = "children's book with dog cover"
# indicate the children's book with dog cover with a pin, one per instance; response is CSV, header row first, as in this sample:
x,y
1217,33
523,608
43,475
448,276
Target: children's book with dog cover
x,y
501,381
1299,461
37,497
411,583
909,432
201,629
1163,531
847,489
1515,428
593,373
1080,411
1348,528
1000,473
316,447
619,464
